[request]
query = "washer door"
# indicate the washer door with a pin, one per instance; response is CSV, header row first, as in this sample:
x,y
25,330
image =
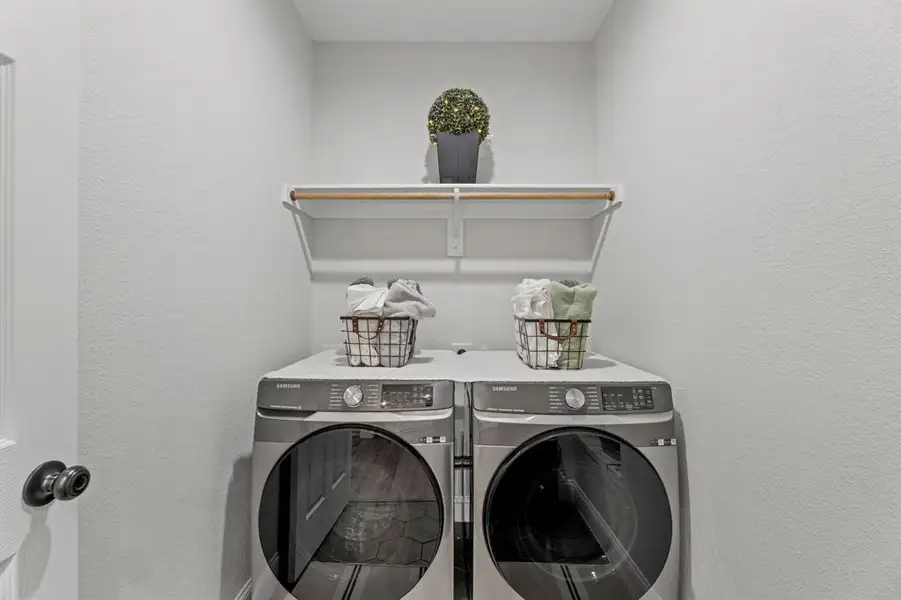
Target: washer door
x,y
350,512
578,515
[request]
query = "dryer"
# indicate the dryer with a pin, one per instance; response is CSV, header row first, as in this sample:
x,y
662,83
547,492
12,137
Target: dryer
x,y
352,481
575,482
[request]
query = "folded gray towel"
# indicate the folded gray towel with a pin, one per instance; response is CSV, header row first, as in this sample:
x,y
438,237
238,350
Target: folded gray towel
x,y
405,299
413,281
573,304
363,281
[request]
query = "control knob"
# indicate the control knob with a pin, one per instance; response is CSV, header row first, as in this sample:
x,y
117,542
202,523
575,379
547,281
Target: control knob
x,y
574,398
353,396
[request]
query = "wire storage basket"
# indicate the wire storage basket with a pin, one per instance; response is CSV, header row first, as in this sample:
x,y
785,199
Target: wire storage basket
x,y
552,343
379,341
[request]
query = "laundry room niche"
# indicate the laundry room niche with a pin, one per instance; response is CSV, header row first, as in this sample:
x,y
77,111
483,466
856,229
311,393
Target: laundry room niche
x,y
537,208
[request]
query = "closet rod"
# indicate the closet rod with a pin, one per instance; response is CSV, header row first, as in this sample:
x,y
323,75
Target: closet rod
x,y
609,196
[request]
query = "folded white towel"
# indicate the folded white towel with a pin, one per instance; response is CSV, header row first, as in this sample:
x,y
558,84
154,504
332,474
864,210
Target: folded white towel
x,y
362,344
404,299
532,301
363,298
394,342
390,346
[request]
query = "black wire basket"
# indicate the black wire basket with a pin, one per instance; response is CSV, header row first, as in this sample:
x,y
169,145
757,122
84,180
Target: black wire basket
x,y
379,341
552,343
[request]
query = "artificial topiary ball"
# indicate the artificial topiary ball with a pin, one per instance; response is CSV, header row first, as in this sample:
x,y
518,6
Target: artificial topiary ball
x,y
458,111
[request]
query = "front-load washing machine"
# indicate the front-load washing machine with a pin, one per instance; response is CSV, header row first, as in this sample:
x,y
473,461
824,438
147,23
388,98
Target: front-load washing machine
x,y
352,481
575,482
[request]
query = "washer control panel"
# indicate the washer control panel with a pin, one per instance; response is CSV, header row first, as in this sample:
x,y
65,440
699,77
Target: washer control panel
x,y
400,396
366,396
572,398
627,398
355,396
382,396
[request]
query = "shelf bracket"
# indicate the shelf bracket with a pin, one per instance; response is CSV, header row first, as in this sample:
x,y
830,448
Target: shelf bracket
x,y
603,230
455,227
301,219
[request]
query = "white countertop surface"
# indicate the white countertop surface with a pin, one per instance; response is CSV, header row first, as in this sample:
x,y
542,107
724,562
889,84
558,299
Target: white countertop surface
x,y
473,366
426,365
505,366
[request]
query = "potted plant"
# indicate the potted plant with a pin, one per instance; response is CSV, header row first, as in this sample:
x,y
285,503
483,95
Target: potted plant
x,y
458,124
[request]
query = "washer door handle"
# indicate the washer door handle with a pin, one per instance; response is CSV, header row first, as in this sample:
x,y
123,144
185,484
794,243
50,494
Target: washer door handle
x,y
380,417
54,481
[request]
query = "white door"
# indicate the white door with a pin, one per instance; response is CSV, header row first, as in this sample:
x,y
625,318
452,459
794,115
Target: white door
x,y
39,90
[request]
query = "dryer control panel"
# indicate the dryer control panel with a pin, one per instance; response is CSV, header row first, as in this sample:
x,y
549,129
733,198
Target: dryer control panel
x,y
572,399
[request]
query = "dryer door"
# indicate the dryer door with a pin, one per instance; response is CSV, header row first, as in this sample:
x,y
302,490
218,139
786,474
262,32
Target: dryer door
x,y
578,515
347,511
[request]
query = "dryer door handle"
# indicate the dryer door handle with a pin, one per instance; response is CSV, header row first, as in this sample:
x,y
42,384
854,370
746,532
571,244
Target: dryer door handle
x,y
503,418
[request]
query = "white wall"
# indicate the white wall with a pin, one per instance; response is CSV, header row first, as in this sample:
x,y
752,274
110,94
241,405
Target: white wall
x,y
756,263
371,102
474,312
192,280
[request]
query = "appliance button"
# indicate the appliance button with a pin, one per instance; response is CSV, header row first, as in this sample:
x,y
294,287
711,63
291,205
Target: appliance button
x,y
574,398
353,396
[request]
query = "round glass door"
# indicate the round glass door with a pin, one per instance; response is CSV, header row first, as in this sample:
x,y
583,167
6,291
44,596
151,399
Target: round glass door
x,y
578,515
350,512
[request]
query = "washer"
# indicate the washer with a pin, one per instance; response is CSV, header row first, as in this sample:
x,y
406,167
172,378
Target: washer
x,y
352,493
575,482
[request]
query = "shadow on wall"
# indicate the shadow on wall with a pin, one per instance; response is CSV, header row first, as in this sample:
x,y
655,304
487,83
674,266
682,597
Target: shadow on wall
x,y
486,164
236,534
686,591
33,556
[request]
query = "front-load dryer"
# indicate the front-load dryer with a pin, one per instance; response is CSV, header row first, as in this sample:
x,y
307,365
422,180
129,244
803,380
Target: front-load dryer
x,y
575,482
352,481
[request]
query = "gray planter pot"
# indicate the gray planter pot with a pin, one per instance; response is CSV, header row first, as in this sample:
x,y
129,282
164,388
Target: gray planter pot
x,y
458,157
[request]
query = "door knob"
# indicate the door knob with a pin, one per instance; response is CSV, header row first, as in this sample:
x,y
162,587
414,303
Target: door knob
x,y
54,481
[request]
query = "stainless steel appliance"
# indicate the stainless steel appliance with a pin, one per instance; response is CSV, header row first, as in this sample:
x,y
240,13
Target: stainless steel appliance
x,y
352,493
575,482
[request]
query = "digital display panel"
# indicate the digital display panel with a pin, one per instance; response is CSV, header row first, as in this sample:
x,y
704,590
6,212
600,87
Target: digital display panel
x,y
406,396
627,398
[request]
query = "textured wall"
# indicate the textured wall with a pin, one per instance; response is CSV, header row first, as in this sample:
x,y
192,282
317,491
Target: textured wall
x,y
192,280
371,104
757,263
415,21
475,312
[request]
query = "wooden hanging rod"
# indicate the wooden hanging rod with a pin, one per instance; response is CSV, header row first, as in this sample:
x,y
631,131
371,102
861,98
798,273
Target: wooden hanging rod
x,y
609,196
